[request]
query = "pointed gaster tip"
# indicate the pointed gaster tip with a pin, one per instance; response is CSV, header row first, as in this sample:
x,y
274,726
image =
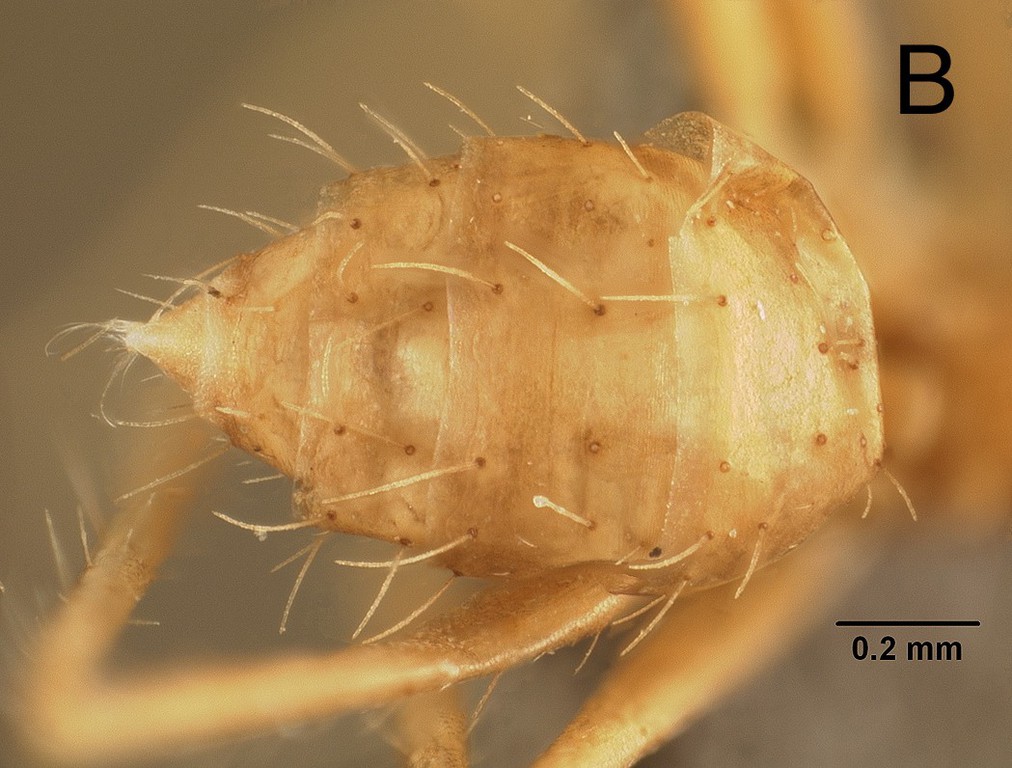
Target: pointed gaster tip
x,y
183,342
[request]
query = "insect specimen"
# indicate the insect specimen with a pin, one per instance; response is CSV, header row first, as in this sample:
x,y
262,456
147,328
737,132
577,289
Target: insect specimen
x,y
602,376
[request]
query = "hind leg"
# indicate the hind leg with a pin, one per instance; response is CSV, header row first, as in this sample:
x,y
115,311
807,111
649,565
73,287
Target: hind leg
x,y
75,713
701,651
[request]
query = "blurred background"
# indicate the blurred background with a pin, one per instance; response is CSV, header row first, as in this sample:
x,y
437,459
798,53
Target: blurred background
x,y
121,118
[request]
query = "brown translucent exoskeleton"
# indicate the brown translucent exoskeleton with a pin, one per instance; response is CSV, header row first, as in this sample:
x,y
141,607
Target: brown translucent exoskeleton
x,y
551,352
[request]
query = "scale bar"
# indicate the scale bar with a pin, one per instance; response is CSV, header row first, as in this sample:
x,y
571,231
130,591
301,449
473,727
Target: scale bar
x,y
908,623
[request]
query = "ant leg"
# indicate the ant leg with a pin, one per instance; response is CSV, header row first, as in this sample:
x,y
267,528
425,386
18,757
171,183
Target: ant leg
x,y
76,715
431,730
700,652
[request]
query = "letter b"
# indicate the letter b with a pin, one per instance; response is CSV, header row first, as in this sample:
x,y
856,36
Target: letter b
x,y
906,77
